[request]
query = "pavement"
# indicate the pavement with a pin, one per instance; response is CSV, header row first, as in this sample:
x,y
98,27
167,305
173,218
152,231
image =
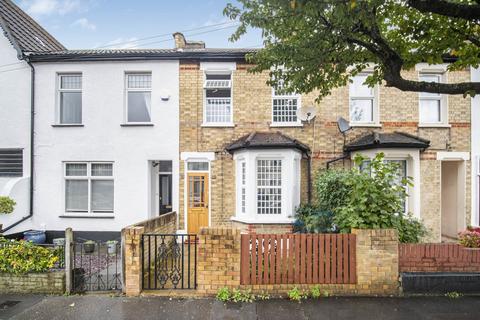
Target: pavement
x,y
101,307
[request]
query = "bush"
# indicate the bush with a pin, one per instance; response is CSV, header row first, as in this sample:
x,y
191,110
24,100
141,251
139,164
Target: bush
x,y
331,189
311,219
362,200
224,294
470,238
20,257
7,205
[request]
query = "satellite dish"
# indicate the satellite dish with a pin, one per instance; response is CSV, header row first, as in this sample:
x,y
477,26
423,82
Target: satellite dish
x,y
343,125
307,113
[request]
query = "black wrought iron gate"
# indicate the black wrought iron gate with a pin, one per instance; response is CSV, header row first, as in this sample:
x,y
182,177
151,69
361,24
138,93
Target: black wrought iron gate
x,y
169,261
97,266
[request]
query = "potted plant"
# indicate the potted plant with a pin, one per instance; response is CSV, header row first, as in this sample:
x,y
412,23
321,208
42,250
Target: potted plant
x,y
7,205
112,246
470,238
89,246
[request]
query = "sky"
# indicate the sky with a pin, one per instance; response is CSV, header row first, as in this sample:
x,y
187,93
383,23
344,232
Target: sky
x,y
88,24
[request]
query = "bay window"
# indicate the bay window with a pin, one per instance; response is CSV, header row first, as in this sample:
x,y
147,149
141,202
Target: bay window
x,y
89,187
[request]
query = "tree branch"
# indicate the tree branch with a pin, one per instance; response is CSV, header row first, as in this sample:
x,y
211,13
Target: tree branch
x,y
447,8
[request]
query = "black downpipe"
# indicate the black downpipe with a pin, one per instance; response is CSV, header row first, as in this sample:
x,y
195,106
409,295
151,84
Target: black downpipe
x,y
32,140
329,162
309,177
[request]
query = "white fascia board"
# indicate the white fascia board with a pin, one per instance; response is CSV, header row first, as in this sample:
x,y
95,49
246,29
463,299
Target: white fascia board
x,y
189,156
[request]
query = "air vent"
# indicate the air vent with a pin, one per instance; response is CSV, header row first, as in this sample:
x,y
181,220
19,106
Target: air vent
x,y
11,162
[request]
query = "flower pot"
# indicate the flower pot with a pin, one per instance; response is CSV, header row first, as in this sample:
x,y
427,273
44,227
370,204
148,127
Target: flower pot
x,y
35,236
112,247
89,247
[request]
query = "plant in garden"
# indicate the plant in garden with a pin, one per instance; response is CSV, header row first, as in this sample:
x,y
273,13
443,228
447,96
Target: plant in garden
x,y
263,296
296,295
331,189
311,219
242,296
375,200
315,292
470,238
223,294
7,205
20,257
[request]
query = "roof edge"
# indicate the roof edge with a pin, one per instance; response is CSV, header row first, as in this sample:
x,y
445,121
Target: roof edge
x,y
8,34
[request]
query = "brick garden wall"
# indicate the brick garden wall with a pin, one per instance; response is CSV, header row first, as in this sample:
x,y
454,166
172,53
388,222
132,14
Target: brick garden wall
x,y
438,258
131,238
377,264
48,282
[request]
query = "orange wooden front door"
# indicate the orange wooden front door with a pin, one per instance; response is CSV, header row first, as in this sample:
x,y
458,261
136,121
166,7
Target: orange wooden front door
x,y
197,201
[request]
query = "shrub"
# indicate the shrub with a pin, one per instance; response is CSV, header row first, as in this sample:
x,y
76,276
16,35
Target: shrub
x,y
331,189
224,294
369,199
7,205
296,295
315,292
469,238
311,219
20,257
242,296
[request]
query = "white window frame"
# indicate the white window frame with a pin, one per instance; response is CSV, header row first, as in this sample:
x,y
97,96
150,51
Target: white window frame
x,y
58,120
127,90
290,188
286,96
441,98
89,178
375,105
258,187
205,87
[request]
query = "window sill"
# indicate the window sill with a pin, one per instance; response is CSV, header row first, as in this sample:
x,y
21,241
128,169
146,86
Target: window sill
x,y
281,220
286,125
136,125
87,216
365,125
59,125
434,125
218,125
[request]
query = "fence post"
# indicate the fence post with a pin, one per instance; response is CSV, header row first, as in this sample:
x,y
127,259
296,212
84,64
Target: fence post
x,y
68,251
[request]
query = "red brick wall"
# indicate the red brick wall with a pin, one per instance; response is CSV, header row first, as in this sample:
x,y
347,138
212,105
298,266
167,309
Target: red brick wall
x,y
439,257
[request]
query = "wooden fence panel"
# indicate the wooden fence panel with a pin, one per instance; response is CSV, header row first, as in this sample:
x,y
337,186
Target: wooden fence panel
x,y
298,258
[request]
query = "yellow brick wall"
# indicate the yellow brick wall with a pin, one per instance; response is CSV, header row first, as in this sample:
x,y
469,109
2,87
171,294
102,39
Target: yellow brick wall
x,y
252,112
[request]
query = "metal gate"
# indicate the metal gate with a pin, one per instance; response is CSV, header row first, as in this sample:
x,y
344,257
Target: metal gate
x,y
97,266
169,261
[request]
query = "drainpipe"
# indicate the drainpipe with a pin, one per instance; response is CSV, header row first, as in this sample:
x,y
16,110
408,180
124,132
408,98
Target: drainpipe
x,y
32,140
309,177
329,162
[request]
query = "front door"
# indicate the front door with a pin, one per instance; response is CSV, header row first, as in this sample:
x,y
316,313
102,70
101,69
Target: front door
x,y
197,202
165,193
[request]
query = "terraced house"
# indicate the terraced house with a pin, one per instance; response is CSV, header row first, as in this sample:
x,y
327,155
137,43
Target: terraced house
x,y
101,139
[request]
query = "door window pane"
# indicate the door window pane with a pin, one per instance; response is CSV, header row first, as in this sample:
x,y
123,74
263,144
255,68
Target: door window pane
x,y
197,166
165,166
76,195
102,195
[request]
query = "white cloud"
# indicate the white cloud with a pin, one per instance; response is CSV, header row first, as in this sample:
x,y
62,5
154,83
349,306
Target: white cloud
x,y
84,24
54,7
122,43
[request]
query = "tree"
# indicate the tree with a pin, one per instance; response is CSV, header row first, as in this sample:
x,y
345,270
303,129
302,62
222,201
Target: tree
x,y
320,44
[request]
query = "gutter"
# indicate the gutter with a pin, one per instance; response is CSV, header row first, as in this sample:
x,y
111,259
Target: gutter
x,y
32,144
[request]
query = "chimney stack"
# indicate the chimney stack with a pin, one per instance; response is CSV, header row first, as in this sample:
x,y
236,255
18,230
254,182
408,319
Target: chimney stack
x,y
181,43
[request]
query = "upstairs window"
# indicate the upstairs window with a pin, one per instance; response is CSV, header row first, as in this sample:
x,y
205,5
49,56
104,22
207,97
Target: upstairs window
x,y
218,99
363,103
89,187
11,162
70,98
284,106
431,108
139,95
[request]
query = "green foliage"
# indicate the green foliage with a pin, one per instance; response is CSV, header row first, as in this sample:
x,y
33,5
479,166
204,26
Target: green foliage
x,y
296,295
331,189
319,45
453,295
224,294
315,292
311,219
20,257
263,296
470,238
7,205
242,296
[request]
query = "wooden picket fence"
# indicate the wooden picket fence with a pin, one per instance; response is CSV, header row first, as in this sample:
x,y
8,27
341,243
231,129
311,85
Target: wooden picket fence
x,y
298,259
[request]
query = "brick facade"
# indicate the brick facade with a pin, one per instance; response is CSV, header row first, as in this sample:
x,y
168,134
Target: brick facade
x,y
252,108
47,282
